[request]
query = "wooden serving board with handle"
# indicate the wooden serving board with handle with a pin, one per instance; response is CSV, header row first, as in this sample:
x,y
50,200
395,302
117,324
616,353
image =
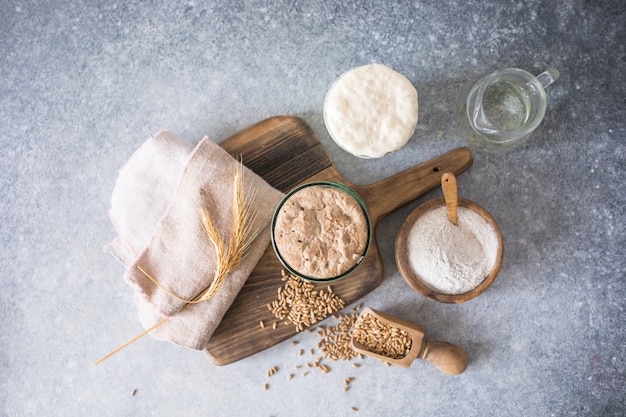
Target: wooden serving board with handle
x,y
285,152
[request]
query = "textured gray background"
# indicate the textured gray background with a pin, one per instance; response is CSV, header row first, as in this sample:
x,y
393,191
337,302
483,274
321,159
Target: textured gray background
x,y
84,83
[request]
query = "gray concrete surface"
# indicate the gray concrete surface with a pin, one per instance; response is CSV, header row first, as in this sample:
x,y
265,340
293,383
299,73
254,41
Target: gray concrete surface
x,y
84,83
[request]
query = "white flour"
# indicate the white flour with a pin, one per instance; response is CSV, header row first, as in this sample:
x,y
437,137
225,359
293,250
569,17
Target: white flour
x,y
452,259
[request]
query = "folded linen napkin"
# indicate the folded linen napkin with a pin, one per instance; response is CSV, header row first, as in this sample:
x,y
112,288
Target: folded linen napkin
x,y
155,208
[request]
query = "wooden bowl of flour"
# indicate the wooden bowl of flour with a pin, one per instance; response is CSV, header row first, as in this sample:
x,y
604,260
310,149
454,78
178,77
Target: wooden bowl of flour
x,y
452,268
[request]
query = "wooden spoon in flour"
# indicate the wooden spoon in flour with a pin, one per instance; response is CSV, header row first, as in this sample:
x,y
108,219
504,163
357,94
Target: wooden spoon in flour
x,y
448,185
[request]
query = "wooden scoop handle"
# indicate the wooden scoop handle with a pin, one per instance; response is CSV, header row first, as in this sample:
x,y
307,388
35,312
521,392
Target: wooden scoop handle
x,y
448,185
448,358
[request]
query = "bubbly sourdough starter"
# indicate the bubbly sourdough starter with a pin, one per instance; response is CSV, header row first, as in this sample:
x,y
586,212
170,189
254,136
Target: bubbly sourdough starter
x,y
321,232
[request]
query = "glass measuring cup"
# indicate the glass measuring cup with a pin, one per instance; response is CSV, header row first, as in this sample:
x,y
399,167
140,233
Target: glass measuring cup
x,y
501,109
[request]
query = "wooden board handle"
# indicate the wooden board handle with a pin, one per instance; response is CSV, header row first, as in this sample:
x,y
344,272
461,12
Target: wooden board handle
x,y
410,184
448,358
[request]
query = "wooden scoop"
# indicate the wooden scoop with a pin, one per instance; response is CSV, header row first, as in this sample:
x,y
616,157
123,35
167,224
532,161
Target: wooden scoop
x,y
450,195
448,358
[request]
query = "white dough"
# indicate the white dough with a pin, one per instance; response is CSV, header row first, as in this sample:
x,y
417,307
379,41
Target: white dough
x,y
371,110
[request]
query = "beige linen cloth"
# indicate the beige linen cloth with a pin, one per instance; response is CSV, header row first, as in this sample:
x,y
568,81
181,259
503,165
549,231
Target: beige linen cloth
x,y
155,208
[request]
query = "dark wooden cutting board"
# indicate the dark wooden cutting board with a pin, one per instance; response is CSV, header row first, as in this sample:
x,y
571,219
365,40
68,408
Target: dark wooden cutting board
x,y
285,152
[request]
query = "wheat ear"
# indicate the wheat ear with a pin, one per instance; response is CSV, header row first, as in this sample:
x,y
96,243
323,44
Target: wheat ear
x,y
241,236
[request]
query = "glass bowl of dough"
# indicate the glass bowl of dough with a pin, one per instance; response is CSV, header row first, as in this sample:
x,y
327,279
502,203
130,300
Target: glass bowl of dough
x,y
371,110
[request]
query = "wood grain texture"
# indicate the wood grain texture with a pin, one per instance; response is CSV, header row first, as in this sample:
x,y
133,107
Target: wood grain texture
x,y
285,152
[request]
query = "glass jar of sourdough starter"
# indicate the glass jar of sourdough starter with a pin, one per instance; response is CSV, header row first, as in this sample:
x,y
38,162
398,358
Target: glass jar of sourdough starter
x,y
321,231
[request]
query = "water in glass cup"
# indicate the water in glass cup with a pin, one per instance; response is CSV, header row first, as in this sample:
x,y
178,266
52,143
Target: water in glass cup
x,y
506,105
501,109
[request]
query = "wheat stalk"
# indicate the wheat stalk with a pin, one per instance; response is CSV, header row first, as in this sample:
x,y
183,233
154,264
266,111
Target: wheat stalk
x,y
228,257
241,236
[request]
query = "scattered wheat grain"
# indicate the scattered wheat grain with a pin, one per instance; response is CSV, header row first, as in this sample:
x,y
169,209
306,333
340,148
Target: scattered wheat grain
x,y
298,303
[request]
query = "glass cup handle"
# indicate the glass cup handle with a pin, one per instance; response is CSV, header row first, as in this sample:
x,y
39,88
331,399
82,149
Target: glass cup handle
x,y
548,77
